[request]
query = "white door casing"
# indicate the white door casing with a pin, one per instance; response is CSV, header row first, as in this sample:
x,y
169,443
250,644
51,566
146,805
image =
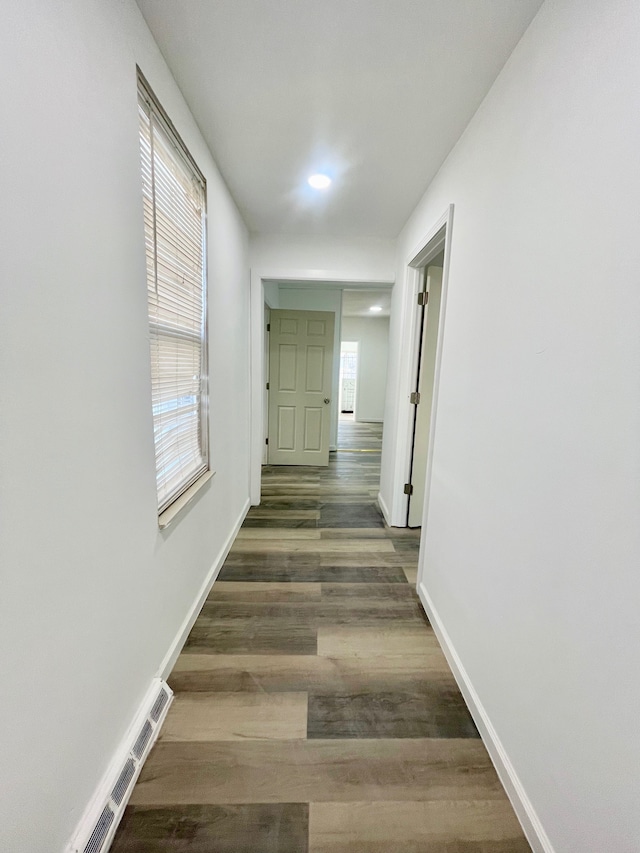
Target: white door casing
x,y
301,362
424,408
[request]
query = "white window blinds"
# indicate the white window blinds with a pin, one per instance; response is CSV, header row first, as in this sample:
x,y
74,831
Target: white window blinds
x,y
174,221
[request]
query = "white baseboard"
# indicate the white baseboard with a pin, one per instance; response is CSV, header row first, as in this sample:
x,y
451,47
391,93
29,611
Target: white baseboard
x,y
333,448
386,513
521,803
385,509
181,637
104,812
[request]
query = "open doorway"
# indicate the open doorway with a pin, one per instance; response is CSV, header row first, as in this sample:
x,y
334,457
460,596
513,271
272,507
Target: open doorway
x,y
427,275
348,380
300,292
364,355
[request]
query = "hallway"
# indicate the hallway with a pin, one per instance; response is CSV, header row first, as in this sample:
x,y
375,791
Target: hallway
x,y
314,709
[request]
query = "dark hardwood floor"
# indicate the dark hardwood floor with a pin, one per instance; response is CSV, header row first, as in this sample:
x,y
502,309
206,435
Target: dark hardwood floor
x,y
314,709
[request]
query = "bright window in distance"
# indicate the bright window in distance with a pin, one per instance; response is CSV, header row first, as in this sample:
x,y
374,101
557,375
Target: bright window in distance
x,y
174,194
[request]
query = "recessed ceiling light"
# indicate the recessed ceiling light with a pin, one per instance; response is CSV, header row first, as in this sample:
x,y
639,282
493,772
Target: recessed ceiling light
x,y
319,182
375,308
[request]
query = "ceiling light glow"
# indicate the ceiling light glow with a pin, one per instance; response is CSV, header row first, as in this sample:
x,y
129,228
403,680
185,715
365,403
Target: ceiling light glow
x,y
319,182
376,308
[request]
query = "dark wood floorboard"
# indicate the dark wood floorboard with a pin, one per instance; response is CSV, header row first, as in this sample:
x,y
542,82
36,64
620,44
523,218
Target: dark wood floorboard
x,y
252,636
253,571
435,710
315,711
264,827
314,674
307,614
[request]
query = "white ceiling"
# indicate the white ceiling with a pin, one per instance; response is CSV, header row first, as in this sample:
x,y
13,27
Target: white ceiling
x,y
374,92
356,303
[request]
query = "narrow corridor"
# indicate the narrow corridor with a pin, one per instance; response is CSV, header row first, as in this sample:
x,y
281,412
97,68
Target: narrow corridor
x,y
314,709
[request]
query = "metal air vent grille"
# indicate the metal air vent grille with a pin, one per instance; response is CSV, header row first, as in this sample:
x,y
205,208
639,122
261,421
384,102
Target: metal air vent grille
x,y
117,795
100,821
143,739
99,834
158,705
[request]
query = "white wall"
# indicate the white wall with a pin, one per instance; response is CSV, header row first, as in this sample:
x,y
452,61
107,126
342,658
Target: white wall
x,y
93,594
532,551
314,298
367,259
372,334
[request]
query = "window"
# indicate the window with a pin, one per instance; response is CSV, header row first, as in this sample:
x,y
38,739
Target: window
x,y
174,193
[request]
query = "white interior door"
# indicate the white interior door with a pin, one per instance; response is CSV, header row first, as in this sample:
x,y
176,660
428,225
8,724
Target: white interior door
x,y
301,363
426,375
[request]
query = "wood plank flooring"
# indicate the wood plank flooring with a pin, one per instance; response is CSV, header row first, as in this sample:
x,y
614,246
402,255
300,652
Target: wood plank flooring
x,y
315,711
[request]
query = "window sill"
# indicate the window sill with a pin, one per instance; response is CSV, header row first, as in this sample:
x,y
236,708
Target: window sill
x,y
165,518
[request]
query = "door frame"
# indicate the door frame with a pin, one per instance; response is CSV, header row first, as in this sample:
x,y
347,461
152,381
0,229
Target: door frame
x,y
437,238
302,278
424,365
355,390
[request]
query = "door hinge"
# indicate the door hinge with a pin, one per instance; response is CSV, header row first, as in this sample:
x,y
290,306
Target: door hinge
x,y
408,489
267,386
423,297
414,398
266,441
268,327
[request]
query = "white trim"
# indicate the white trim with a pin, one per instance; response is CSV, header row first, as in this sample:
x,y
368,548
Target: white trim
x,y
102,795
181,637
408,366
257,383
299,278
436,374
413,279
384,508
169,514
522,805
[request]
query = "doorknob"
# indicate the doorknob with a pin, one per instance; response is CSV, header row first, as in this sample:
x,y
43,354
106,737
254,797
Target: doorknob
x,y
327,400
